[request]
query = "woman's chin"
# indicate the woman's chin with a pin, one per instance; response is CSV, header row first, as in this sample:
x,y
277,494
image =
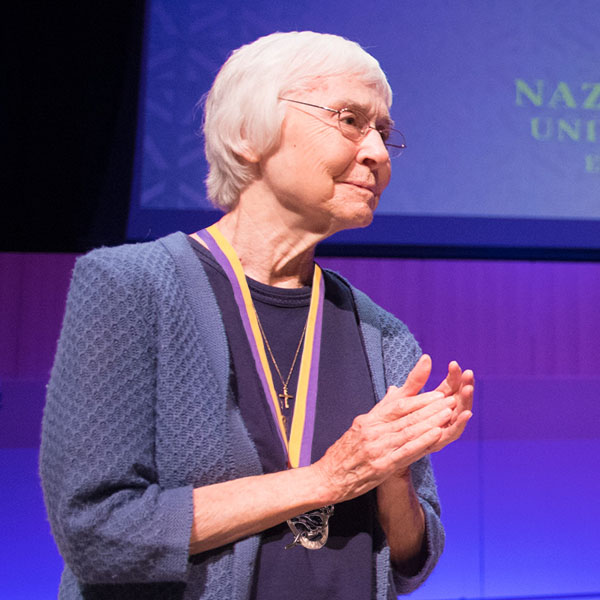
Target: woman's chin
x,y
357,220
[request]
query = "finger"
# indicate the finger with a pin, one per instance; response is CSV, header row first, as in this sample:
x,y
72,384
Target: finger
x,y
464,397
418,377
424,411
414,430
453,432
468,378
395,406
417,448
464,400
394,444
452,381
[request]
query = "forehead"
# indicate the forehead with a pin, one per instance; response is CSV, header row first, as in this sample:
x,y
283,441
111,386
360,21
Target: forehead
x,y
349,92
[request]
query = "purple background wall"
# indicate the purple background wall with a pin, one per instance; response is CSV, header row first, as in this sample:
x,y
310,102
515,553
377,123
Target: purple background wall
x,y
520,490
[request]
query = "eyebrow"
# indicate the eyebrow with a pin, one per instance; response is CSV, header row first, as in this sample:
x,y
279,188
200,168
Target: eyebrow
x,y
386,119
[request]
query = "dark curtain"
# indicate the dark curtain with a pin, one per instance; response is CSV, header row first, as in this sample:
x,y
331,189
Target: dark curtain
x,y
71,74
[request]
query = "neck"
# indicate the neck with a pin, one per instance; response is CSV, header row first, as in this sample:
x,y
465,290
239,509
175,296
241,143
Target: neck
x,y
270,251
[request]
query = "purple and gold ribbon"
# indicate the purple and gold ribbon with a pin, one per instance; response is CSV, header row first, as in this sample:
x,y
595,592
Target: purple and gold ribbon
x,y
298,447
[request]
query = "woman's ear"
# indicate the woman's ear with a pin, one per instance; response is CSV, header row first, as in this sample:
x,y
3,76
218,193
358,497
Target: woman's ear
x,y
245,151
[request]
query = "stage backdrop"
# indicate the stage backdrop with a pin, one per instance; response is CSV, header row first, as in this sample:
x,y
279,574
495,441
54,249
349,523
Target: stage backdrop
x,y
519,491
499,101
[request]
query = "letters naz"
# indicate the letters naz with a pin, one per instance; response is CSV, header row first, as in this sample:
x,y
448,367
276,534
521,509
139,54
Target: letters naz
x,y
562,95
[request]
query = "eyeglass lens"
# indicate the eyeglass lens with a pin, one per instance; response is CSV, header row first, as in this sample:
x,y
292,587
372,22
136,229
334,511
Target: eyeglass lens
x,y
354,125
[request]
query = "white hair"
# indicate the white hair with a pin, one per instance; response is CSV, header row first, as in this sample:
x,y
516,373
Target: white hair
x,y
243,113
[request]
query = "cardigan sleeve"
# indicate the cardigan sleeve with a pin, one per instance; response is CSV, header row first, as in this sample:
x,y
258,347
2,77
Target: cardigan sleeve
x,y
400,354
112,520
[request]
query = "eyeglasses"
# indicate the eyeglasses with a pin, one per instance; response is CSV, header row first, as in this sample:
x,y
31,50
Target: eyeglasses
x,y
354,125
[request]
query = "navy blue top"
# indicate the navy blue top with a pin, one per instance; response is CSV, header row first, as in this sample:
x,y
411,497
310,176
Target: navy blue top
x,y
343,568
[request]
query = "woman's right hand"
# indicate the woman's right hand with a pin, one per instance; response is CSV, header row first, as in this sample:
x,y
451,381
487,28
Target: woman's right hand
x,y
397,432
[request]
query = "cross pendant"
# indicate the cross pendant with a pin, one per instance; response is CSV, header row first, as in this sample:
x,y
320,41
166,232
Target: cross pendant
x,y
285,396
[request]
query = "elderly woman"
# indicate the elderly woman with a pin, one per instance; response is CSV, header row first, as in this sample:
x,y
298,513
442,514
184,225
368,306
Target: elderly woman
x,y
225,419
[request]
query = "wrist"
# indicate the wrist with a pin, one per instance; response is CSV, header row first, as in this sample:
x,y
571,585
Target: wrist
x,y
322,485
401,517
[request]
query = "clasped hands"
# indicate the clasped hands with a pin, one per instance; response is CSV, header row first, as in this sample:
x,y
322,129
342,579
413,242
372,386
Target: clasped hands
x,y
402,428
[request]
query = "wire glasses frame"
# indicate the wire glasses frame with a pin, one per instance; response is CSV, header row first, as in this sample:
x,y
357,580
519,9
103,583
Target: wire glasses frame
x,y
354,125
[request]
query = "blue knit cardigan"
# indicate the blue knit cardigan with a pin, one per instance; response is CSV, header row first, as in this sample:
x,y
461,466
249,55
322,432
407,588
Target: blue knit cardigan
x,y
139,412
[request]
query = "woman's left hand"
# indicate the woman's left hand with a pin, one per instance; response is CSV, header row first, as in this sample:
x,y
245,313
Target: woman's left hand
x,y
458,383
399,510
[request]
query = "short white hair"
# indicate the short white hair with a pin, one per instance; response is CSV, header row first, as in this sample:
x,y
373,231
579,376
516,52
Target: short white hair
x,y
242,110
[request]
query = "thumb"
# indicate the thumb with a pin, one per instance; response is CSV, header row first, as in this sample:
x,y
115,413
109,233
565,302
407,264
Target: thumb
x,y
418,377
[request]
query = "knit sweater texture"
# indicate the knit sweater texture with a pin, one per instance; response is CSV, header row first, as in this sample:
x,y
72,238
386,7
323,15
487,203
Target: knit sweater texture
x,y
139,412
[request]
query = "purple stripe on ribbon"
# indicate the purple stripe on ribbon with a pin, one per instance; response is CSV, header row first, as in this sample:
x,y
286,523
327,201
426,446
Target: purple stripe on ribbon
x,y
313,384
223,260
